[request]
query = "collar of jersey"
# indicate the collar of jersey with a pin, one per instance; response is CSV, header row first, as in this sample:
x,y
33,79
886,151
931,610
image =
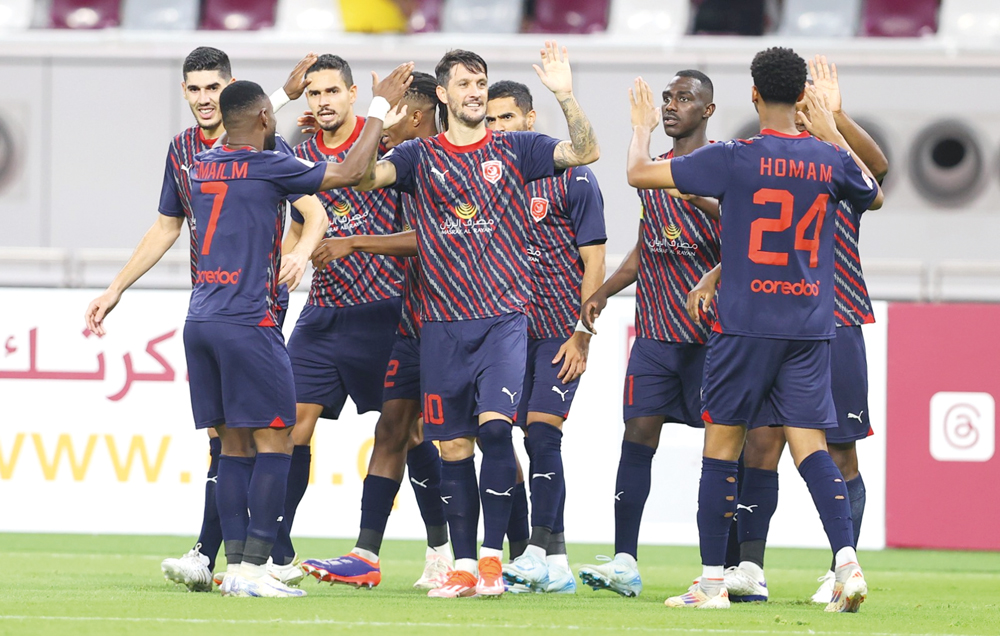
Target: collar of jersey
x,y
450,147
359,124
201,137
775,133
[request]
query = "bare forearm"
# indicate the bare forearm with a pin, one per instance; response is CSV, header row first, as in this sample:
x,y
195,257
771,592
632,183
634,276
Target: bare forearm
x,y
643,172
351,170
311,232
594,269
862,144
583,147
154,244
400,244
708,205
625,275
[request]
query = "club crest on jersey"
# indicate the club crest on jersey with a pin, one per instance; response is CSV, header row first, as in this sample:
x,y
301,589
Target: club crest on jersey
x,y
539,208
466,211
341,208
492,170
672,232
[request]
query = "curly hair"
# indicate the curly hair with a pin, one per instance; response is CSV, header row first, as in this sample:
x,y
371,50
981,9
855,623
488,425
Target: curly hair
x,y
779,75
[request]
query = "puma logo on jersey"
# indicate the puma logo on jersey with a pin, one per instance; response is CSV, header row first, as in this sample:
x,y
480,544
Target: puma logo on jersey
x,y
562,394
422,484
444,500
857,417
506,493
186,168
440,175
618,497
750,507
583,178
545,475
507,391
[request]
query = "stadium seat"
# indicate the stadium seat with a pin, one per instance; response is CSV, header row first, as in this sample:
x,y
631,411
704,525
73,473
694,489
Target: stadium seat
x,y
570,16
179,15
15,14
649,17
820,18
84,14
481,16
426,16
309,15
237,15
900,18
729,17
967,21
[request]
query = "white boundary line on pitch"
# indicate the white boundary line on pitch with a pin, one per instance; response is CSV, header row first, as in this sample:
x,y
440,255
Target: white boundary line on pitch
x,y
321,621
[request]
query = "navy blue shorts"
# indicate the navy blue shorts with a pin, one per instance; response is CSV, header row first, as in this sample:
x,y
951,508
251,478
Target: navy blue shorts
x,y
743,373
664,380
470,367
281,308
849,378
402,376
338,352
239,375
543,391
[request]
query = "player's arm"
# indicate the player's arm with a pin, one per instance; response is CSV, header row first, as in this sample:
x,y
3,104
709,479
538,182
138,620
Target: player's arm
x,y
379,174
401,244
358,161
301,240
708,205
701,295
573,353
643,172
154,244
625,275
557,76
295,85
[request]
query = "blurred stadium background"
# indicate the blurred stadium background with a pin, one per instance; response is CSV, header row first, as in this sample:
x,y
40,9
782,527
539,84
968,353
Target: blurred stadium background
x,y
92,96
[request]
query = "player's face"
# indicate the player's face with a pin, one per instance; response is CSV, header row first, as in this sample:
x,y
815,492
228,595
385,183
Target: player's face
x,y
202,90
504,114
330,99
466,95
684,107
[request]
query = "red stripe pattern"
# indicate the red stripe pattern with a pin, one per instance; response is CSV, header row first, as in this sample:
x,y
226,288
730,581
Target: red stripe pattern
x,y
852,305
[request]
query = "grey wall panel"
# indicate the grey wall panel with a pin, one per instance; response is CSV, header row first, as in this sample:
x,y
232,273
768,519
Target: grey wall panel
x,y
24,119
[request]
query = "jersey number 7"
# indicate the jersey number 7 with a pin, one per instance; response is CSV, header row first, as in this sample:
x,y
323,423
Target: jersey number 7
x,y
219,189
759,227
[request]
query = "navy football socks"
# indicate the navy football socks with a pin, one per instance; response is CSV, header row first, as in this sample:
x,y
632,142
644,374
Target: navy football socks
x,y
631,492
461,505
210,537
423,465
857,495
266,502
231,497
376,505
497,480
283,551
517,528
829,493
716,507
547,479
758,501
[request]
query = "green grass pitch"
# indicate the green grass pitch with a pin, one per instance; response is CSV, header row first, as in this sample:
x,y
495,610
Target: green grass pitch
x,y
105,585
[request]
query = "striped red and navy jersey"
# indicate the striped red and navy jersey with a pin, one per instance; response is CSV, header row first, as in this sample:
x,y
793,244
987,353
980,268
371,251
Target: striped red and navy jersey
x,y
235,196
409,320
680,244
852,305
471,220
359,278
777,193
567,212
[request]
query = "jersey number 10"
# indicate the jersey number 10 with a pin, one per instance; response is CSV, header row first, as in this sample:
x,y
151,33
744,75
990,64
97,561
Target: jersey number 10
x,y
759,227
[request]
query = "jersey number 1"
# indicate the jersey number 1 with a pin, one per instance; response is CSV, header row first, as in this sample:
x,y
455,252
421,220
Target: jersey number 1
x,y
219,189
759,227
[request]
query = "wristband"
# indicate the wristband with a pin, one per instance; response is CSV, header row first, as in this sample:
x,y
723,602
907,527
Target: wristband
x,y
583,328
278,99
379,108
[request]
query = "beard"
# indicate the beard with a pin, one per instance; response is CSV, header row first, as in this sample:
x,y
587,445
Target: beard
x,y
460,115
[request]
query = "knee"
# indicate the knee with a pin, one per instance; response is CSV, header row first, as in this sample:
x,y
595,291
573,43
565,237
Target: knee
x,y
455,450
495,434
390,434
647,433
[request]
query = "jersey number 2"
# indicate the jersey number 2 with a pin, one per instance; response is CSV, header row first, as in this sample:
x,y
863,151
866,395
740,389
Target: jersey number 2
x,y
817,211
219,189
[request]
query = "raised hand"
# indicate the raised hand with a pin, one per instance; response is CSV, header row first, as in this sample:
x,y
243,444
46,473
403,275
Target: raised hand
x,y
645,112
296,83
824,78
818,119
555,72
394,116
394,86
307,123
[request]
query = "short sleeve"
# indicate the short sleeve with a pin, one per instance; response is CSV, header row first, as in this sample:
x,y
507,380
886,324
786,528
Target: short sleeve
x,y
293,175
297,216
170,200
858,188
704,172
535,154
281,146
585,205
404,158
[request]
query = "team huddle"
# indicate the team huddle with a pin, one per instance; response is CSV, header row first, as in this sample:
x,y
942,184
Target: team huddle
x,y
459,276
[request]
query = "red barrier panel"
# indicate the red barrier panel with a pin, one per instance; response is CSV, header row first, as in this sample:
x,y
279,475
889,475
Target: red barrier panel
x,y
941,468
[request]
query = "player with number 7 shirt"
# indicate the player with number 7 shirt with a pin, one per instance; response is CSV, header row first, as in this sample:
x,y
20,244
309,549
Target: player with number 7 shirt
x,y
771,342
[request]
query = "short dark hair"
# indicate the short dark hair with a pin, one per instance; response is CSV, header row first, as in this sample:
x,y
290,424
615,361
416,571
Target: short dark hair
x,y
779,75
328,62
515,90
423,88
471,61
239,99
205,58
706,83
